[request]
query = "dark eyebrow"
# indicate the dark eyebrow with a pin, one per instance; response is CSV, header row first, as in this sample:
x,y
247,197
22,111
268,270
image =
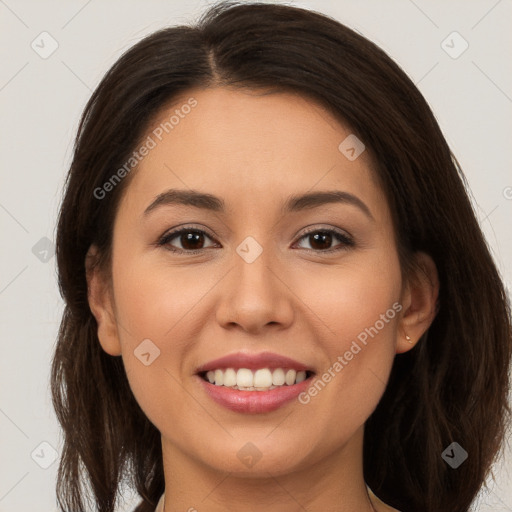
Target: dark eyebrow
x,y
314,199
188,198
293,203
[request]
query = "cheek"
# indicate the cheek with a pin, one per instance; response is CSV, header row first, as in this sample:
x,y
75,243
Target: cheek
x,y
154,301
150,309
359,310
350,297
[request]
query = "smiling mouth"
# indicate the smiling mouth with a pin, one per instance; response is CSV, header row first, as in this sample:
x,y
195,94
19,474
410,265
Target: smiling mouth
x,y
263,379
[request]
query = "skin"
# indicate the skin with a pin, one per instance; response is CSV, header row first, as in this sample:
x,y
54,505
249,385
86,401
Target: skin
x,y
254,150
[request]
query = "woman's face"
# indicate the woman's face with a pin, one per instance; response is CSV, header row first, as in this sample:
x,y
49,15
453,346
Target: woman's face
x,y
262,279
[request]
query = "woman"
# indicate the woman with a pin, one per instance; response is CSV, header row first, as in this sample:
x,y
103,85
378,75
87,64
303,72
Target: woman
x,y
277,294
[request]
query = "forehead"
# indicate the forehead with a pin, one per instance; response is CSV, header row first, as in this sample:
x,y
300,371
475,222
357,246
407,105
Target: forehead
x,y
248,146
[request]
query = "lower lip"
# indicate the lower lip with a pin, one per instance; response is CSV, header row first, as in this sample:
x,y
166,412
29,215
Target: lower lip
x,y
254,402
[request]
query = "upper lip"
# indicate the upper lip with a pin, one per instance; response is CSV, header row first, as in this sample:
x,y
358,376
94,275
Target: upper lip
x,y
253,362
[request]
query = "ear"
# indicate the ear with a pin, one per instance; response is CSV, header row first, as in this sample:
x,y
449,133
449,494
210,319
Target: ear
x,y
101,303
419,301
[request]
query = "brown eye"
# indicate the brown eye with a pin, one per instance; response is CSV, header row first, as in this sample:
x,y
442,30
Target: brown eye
x,y
321,240
191,240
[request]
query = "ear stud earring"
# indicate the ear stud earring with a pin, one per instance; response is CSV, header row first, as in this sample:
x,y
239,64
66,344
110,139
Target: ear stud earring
x,y
408,338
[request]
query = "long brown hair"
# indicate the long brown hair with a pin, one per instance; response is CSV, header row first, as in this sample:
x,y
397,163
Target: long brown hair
x,y
452,387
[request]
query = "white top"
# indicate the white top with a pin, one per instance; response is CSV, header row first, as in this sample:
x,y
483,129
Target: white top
x,y
160,505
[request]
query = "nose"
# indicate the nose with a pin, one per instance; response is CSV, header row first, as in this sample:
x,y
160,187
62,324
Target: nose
x,y
254,295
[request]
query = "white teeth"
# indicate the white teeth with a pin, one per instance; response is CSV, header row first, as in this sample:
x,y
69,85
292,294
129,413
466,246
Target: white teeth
x,y
219,377
259,380
244,378
262,378
290,377
229,377
278,377
300,376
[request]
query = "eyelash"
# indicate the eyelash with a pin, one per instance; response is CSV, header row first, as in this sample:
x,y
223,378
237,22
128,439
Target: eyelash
x,y
347,242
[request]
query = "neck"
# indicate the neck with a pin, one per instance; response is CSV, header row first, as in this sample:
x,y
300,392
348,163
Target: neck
x,y
316,485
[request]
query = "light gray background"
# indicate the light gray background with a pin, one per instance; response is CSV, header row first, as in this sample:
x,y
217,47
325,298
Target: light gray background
x,y
41,101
